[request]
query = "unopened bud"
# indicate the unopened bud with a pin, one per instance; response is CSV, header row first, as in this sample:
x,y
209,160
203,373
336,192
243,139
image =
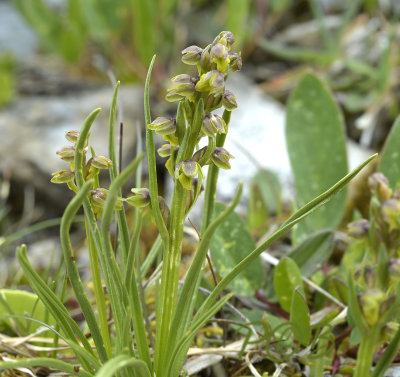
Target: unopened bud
x,y
72,136
358,228
163,126
226,38
213,101
221,157
63,176
191,55
235,61
379,184
369,277
394,267
387,304
370,303
213,124
229,101
165,212
199,154
166,149
66,153
219,54
391,212
101,162
140,197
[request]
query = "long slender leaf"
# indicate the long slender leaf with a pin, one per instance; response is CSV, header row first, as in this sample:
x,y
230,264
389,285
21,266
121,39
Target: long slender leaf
x,y
120,362
73,272
45,362
293,220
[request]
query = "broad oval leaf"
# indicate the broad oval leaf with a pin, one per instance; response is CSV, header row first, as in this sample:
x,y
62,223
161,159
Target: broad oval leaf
x,y
390,160
314,251
300,318
287,277
231,243
14,301
316,143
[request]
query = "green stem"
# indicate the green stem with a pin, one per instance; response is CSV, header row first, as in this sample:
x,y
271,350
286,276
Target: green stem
x,y
170,276
366,352
98,291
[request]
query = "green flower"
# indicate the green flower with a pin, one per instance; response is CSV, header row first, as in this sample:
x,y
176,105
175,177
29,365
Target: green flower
x,y
191,55
66,153
185,171
221,157
140,197
212,81
163,126
63,176
101,162
213,124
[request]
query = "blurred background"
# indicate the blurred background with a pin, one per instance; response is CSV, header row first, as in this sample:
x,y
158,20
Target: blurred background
x,y
60,58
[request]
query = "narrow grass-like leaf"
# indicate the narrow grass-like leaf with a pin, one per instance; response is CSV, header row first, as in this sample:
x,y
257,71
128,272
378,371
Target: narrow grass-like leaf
x,y
300,318
293,220
390,353
354,306
73,272
120,362
137,313
287,277
151,161
45,362
67,325
187,297
314,126
180,352
389,164
231,243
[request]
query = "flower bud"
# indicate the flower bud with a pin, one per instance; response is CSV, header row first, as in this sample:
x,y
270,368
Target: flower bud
x,y
163,126
235,63
101,162
219,54
180,92
369,277
387,304
205,60
63,176
185,171
213,124
394,267
212,81
213,101
229,101
226,38
165,150
199,154
391,211
370,303
358,228
191,55
140,197
99,196
165,212
379,184
67,153
221,157
184,80
72,136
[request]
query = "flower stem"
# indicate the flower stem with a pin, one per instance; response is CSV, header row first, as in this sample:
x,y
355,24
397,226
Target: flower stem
x,y
366,352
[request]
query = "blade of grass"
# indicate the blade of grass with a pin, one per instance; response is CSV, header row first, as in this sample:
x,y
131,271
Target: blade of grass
x,y
120,362
287,225
45,362
100,335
